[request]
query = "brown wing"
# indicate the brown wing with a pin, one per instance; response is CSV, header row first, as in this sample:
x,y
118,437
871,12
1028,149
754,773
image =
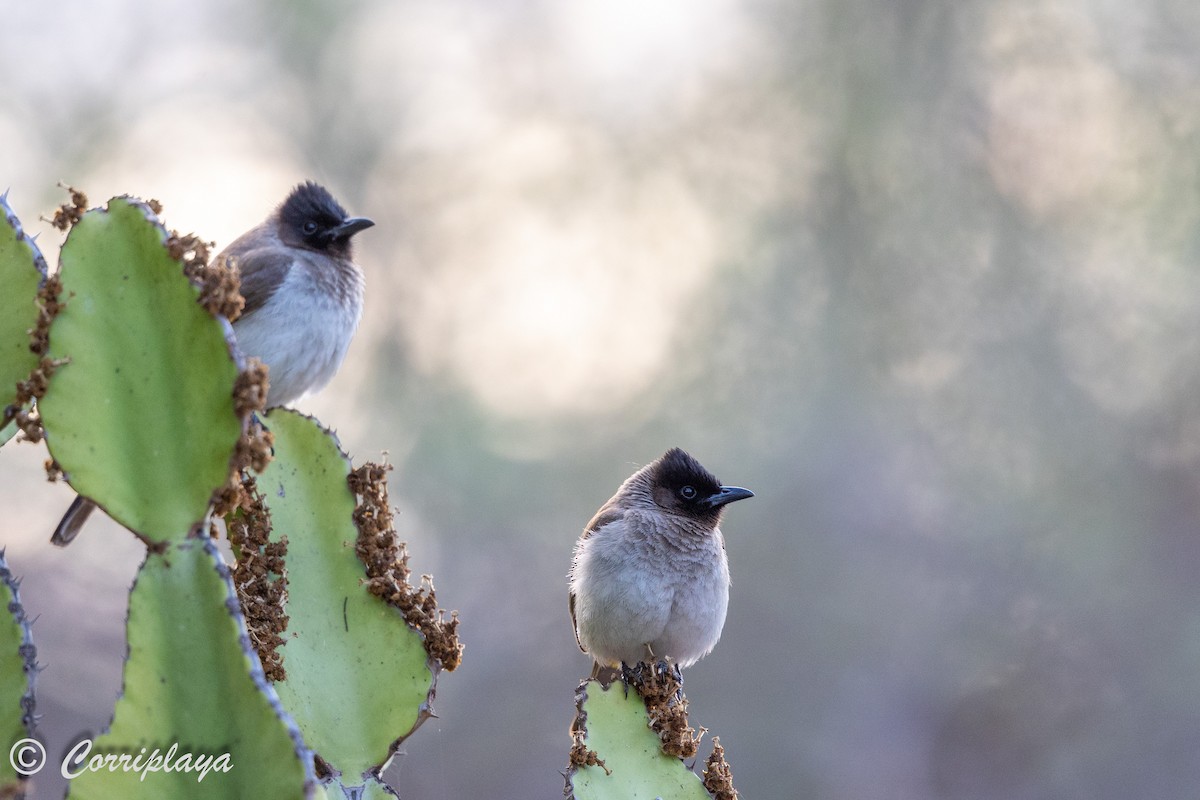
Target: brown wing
x,y
607,513
574,625
262,264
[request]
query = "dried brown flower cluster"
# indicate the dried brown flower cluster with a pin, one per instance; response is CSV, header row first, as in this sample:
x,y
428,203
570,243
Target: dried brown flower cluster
x,y
252,452
718,777
71,212
34,387
661,688
386,560
581,756
260,577
219,281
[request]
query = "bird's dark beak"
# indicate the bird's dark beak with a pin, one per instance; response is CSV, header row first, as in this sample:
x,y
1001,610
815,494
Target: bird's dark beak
x,y
349,228
728,494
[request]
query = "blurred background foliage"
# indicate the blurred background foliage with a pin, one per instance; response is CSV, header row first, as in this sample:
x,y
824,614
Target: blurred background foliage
x,y
921,274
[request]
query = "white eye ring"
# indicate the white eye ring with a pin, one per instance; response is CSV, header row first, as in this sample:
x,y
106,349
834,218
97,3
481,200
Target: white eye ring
x,y
688,493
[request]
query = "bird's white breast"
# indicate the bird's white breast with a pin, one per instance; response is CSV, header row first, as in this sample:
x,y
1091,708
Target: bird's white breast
x,y
301,357
633,590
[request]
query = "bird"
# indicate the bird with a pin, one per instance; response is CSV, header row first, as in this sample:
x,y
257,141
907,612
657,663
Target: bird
x,y
303,301
649,580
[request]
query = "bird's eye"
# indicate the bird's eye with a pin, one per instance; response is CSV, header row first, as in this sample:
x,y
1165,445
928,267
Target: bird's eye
x,y
688,493
310,227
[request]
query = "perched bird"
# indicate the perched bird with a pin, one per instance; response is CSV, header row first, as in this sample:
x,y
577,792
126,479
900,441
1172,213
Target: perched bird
x,y
303,291
304,298
650,579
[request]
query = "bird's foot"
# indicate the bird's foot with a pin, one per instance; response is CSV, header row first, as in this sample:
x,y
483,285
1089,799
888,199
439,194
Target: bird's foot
x,y
667,667
630,675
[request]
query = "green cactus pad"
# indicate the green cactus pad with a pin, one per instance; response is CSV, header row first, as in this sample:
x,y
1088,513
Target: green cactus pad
x,y
141,418
358,677
18,671
192,681
22,269
618,734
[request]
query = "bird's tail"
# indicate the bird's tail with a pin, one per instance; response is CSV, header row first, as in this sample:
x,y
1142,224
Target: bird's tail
x,y
72,521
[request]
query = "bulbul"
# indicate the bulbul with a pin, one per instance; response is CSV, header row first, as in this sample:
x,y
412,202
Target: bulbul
x,y
650,578
304,298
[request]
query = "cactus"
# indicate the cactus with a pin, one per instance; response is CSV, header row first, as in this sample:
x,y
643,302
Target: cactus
x,y
356,678
18,671
22,272
146,410
192,680
138,412
630,740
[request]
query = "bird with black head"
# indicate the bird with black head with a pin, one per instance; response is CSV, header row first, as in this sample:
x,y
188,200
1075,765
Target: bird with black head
x,y
650,577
